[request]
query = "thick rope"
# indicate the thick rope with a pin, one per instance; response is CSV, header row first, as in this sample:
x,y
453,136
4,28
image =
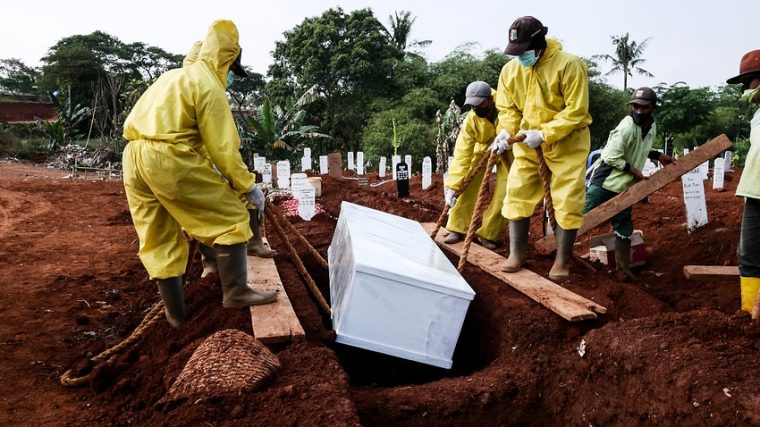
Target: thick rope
x,y
297,261
150,319
292,228
465,183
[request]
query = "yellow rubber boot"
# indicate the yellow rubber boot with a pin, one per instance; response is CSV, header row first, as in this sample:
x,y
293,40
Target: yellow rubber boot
x,y
750,286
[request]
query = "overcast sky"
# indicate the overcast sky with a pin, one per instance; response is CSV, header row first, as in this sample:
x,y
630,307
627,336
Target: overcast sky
x,y
699,42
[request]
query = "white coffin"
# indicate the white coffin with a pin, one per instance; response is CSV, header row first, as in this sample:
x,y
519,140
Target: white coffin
x,y
392,289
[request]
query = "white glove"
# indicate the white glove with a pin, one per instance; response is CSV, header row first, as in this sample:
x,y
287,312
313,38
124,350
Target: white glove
x,y
448,194
256,197
500,143
533,138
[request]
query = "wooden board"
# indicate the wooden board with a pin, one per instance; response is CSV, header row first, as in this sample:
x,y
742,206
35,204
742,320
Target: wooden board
x,y
565,303
275,322
710,272
642,189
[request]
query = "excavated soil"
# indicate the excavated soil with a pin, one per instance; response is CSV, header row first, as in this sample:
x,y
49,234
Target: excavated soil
x,y
668,351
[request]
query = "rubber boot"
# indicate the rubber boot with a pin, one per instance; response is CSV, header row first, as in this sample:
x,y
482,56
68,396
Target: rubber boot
x,y
749,288
518,245
488,244
623,256
233,262
256,246
208,259
565,240
174,300
453,237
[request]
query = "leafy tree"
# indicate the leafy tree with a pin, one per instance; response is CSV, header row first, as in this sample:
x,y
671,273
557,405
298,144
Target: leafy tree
x,y
350,59
246,91
16,77
682,111
452,75
607,106
627,57
280,132
400,29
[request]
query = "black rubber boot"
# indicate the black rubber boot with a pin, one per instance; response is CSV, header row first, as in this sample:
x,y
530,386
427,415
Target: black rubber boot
x,y
233,262
565,241
518,245
623,256
256,246
174,300
209,260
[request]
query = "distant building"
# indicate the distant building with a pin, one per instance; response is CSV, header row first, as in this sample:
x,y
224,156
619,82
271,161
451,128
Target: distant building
x,y
27,112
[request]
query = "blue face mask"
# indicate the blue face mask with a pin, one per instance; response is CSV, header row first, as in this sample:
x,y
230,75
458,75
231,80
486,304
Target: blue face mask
x,y
230,78
527,58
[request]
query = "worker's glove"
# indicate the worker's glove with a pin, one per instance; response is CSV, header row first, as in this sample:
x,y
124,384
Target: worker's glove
x,y
448,194
533,138
500,143
256,197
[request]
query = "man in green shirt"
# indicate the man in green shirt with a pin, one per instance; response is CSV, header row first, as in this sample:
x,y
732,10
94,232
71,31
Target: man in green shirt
x,y
620,165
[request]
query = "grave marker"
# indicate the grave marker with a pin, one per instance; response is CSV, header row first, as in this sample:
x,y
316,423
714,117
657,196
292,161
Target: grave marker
x,y
719,171
360,163
381,168
704,169
335,165
402,179
729,158
649,168
694,199
323,165
395,160
351,165
258,164
427,173
304,192
266,173
408,161
283,174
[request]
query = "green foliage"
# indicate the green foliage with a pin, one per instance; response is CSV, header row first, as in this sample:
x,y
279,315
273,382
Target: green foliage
x,y
350,59
400,29
740,149
460,68
17,78
683,112
247,91
279,133
607,107
627,57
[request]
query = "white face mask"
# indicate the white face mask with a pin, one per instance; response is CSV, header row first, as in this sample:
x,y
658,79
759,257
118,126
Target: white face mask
x,y
527,58
230,78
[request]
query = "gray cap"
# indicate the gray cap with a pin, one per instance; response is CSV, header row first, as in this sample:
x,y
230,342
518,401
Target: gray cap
x,y
476,92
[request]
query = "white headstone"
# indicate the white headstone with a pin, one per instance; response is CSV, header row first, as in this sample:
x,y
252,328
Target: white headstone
x,y
381,168
719,171
266,173
351,165
408,161
685,151
694,199
427,173
704,169
729,158
649,168
323,165
307,152
360,163
305,163
283,174
304,192
394,161
258,164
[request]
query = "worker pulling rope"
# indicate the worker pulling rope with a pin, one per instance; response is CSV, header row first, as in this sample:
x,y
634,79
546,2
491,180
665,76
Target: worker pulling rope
x,y
467,180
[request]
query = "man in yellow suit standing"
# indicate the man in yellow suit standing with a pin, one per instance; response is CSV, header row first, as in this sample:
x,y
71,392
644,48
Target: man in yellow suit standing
x,y
543,93
478,132
170,184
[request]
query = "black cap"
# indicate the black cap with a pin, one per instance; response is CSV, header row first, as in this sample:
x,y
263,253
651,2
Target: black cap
x,y
526,33
237,68
644,96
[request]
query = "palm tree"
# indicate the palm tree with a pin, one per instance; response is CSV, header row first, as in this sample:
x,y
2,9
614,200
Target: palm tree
x,y
278,129
627,58
401,27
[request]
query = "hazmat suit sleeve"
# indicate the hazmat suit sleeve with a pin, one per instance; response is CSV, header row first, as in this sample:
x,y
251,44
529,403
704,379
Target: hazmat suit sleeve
x,y
463,154
574,87
510,115
617,145
221,140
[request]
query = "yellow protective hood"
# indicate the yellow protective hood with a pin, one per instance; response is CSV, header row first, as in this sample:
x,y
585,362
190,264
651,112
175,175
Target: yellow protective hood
x,y
220,48
192,55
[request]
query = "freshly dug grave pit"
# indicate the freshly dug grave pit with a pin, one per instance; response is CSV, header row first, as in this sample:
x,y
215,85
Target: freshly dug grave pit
x,y
668,351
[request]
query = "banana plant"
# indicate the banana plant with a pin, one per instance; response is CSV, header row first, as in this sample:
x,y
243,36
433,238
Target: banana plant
x,y
281,131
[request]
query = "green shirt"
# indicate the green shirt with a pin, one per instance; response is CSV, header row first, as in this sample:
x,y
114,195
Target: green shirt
x,y
625,148
749,184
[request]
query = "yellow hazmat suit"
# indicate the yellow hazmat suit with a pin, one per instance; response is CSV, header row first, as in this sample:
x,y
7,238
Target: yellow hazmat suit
x,y
551,96
169,184
472,144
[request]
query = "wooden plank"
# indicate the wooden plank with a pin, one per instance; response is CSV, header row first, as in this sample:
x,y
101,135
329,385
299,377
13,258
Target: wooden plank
x,y
275,322
565,303
710,272
642,189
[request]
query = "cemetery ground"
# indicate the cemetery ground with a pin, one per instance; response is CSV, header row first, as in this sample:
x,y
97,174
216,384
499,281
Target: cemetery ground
x,y
668,351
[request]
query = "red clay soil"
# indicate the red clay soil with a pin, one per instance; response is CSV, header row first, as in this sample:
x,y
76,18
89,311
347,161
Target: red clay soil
x,y
668,351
